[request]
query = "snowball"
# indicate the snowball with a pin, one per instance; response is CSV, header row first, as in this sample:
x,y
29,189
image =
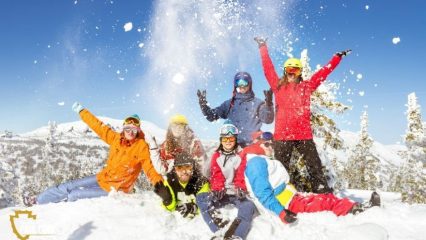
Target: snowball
x,y
396,40
61,103
178,78
128,26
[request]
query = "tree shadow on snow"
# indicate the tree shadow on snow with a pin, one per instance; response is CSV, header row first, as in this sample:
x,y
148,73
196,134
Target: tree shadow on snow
x,y
82,232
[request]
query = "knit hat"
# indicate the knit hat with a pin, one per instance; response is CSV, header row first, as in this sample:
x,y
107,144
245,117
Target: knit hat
x,y
132,119
183,158
179,119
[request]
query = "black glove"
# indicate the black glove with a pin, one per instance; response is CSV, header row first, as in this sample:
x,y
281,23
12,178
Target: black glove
x,y
260,41
217,195
288,216
241,194
268,97
202,97
344,53
163,192
188,210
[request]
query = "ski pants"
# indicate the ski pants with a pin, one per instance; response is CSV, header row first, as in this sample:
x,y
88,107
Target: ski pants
x,y
246,211
87,187
320,202
283,152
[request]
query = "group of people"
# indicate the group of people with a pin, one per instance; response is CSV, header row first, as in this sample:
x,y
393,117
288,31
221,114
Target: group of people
x,y
249,169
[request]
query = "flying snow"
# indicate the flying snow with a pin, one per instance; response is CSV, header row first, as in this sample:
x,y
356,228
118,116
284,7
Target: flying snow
x,y
367,7
361,93
61,103
396,40
128,26
178,78
359,76
141,45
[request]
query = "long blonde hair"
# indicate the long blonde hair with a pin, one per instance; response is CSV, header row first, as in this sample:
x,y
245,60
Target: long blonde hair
x,y
284,80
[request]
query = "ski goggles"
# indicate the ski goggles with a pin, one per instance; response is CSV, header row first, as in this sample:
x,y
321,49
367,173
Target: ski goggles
x,y
228,139
293,70
186,167
241,82
130,129
132,121
227,130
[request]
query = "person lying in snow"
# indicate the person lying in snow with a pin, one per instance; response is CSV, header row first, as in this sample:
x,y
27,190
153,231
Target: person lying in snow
x,y
267,181
128,155
293,118
247,112
182,185
179,138
227,187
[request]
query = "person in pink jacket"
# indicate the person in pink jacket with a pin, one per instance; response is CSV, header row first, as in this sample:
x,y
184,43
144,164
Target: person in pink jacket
x,y
292,119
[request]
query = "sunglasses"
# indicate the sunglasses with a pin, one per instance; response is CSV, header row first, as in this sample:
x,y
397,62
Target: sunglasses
x,y
133,130
267,144
241,82
228,139
293,70
187,167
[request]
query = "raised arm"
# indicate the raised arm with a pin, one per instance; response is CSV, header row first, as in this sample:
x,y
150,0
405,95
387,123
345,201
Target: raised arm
x,y
268,66
211,114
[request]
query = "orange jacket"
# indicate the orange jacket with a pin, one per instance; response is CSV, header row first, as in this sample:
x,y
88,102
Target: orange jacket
x,y
125,161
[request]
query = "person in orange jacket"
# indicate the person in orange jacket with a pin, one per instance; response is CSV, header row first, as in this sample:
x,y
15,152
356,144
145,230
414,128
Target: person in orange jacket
x,y
128,155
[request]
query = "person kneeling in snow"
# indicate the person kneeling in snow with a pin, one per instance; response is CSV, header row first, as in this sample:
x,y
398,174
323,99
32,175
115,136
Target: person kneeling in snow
x,y
128,155
228,187
268,182
183,184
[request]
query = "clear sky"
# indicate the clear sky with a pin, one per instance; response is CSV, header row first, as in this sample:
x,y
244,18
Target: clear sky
x,y
53,53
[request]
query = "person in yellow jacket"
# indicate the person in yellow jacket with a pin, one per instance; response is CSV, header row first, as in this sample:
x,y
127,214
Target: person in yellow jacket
x,y
183,184
128,155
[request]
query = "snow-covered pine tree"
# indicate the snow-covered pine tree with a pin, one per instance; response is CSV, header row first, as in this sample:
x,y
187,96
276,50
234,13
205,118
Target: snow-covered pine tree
x,y
412,174
8,185
361,170
51,138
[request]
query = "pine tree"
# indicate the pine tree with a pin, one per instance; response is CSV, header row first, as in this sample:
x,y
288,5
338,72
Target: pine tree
x,y
361,170
412,173
51,138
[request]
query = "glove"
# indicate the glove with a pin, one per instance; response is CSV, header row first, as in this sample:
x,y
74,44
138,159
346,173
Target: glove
x,y
217,195
288,216
268,97
202,97
188,210
260,41
343,53
163,192
77,107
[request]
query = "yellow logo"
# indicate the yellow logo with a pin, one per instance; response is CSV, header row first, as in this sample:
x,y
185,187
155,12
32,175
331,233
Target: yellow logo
x,y
29,215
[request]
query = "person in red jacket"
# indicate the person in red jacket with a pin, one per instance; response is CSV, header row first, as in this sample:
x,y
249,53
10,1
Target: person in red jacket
x,y
293,114
227,186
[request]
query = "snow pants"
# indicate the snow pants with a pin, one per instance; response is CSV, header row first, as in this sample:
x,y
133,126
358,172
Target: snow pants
x,y
283,152
246,211
87,187
320,202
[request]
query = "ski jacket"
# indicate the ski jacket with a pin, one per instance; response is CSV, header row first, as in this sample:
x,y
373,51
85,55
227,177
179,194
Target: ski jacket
x,y
184,193
268,181
292,101
125,159
247,114
227,172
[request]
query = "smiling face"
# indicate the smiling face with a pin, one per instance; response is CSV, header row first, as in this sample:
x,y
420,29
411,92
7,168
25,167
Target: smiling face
x,y
228,143
268,148
130,132
178,129
184,172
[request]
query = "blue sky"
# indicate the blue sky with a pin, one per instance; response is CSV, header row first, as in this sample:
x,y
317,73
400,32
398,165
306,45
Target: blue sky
x,y
53,53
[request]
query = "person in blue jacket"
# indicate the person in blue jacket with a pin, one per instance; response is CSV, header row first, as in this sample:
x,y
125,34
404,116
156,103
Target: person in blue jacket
x,y
245,111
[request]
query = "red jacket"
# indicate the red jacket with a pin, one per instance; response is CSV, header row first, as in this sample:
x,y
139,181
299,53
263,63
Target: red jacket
x,y
227,172
293,101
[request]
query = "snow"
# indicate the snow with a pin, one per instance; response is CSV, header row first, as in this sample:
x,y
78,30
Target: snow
x,y
140,216
128,26
367,7
396,40
61,103
178,78
141,45
361,93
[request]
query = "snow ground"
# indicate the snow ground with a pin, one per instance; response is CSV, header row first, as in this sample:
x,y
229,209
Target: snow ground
x,y
140,216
